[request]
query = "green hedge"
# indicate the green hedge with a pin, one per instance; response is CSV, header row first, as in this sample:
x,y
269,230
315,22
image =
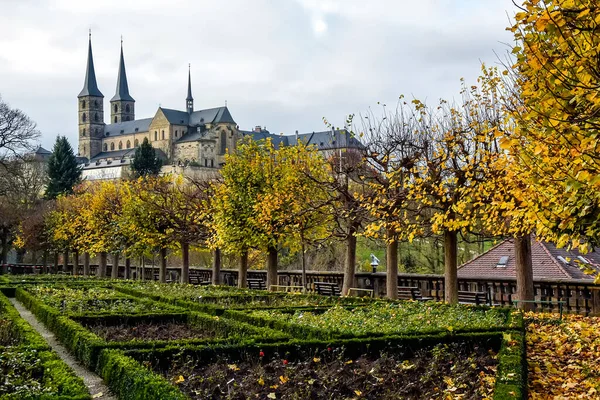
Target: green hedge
x,y
59,377
511,376
87,346
25,333
131,381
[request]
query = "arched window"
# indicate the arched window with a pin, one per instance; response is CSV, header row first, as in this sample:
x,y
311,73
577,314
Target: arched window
x,y
127,108
83,149
120,145
82,103
175,133
136,143
155,135
128,145
115,119
116,108
96,103
112,146
83,117
163,135
96,117
105,147
83,132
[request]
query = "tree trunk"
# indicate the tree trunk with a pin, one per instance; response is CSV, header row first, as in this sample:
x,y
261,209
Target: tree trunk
x,y
143,274
102,265
450,267
75,262
86,264
45,262
114,273
524,271
4,239
392,265
303,269
127,268
185,268
350,267
55,261
216,269
243,271
271,267
162,272
65,266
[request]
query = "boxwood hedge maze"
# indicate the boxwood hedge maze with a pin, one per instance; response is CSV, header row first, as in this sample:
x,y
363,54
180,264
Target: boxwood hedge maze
x,y
170,341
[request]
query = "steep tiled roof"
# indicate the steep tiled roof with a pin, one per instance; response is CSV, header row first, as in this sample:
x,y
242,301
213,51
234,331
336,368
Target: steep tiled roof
x,y
324,140
127,127
90,86
544,257
208,116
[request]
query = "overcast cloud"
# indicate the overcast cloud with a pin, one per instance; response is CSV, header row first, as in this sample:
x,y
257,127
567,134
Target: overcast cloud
x,y
285,64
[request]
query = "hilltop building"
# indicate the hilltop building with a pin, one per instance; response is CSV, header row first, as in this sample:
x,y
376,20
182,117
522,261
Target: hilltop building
x,y
199,138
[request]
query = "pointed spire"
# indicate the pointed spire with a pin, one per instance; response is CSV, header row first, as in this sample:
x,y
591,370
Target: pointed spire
x,y
189,96
189,101
90,86
122,92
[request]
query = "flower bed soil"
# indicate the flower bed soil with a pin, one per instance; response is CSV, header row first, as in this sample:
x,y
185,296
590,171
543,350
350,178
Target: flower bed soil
x,y
435,373
150,331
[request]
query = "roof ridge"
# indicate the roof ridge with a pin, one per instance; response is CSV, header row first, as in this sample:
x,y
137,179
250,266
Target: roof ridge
x,y
485,252
560,267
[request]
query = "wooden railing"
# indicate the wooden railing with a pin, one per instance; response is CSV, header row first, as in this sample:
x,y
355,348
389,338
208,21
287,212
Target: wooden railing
x,y
581,296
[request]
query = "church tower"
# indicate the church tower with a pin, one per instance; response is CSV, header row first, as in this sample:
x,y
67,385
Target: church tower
x,y
91,111
189,101
122,105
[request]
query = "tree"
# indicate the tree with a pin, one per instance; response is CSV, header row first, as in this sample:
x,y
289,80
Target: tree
x,y
17,132
63,171
556,141
145,162
262,201
345,186
391,149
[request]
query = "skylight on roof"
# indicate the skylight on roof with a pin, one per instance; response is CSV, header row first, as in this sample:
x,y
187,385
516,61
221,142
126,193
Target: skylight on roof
x,y
583,260
563,260
502,262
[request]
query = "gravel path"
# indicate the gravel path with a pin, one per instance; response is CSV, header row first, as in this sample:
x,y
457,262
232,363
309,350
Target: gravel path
x,y
94,383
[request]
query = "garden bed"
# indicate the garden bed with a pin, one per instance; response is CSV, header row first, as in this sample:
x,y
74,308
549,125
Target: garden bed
x,y
456,369
28,369
150,331
382,319
86,300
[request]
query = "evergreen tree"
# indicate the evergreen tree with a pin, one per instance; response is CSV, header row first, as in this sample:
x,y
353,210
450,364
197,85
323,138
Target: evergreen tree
x,y
145,162
63,171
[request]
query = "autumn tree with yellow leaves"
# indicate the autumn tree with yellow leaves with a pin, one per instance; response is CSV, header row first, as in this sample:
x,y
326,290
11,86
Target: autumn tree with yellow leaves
x,y
262,201
557,137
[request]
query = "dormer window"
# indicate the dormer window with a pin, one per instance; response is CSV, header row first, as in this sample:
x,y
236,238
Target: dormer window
x,y
137,129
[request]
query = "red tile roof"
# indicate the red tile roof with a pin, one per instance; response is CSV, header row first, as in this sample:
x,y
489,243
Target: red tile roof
x,y
544,257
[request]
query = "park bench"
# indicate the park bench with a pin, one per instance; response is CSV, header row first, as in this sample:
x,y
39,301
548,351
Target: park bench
x,y
197,280
477,298
256,284
327,288
358,292
411,293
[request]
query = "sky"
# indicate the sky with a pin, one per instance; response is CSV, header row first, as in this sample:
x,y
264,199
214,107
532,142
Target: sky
x,y
283,64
